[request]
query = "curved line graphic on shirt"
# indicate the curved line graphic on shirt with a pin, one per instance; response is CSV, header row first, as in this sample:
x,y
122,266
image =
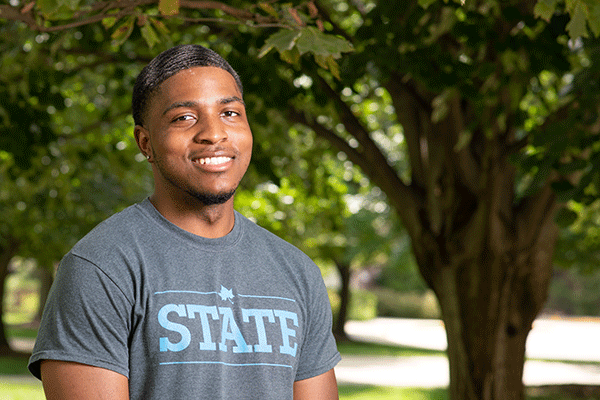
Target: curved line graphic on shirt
x,y
227,364
226,294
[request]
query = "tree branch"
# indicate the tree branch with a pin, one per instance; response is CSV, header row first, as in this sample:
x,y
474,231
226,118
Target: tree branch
x,y
466,166
300,117
119,9
406,200
408,110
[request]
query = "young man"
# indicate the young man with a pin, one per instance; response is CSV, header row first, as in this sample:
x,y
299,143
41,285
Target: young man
x,y
179,296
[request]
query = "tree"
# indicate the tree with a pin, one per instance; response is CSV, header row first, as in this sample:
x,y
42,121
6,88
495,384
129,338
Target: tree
x,y
494,104
60,173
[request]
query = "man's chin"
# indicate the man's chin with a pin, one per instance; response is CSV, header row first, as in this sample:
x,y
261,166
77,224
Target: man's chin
x,y
211,199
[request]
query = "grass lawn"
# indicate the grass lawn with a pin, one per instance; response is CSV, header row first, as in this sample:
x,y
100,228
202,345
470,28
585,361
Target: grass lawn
x,y
16,389
374,349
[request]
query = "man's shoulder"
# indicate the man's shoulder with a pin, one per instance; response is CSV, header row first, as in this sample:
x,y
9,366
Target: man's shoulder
x,y
263,238
117,229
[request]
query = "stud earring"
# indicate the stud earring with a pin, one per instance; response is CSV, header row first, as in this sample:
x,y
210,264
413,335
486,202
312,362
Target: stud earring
x,y
147,156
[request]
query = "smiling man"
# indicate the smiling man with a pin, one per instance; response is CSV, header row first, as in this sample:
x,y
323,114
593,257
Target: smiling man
x,y
180,296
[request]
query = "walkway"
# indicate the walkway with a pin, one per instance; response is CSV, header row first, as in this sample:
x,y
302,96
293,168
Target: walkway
x,y
552,340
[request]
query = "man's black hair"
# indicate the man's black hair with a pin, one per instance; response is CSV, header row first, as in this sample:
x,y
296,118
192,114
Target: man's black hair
x,y
167,64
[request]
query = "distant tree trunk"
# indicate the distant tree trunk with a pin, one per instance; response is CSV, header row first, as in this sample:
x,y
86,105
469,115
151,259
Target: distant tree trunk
x,y
344,293
8,249
45,277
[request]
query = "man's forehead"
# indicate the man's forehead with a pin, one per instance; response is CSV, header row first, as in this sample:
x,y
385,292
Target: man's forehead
x,y
198,73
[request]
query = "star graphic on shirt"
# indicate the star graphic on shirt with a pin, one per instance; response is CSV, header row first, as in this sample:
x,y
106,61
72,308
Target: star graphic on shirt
x,y
226,294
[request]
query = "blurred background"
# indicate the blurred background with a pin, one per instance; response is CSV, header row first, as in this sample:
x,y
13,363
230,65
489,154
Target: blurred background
x,y
438,159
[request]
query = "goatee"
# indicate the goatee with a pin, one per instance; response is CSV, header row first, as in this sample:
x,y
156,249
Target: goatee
x,y
209,199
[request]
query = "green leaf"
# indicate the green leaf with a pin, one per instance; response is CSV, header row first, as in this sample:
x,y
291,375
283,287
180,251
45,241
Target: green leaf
x,y
283,40
149,35
59,9
328,63
109,22
121,34
314,41
577,25
594,18
544,9
48,7
290,56
160,26
334,68
168,7
268,9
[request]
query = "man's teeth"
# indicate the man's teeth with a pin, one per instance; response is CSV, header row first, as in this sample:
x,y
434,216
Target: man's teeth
x,y
213,160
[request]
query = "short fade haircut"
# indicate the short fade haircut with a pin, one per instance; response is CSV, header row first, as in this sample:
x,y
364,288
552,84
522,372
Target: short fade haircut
x,y
167,64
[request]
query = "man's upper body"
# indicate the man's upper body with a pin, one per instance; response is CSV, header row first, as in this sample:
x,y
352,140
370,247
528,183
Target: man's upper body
x,y
180,296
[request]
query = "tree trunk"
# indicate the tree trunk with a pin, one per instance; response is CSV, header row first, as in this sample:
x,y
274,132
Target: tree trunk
x,y
8,249
490,290
45,277
344,293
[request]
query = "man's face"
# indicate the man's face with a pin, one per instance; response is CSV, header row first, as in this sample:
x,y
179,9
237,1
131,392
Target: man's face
x,y
197,135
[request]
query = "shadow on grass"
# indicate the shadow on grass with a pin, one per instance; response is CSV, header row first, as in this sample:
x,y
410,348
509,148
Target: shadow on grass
x,y
14,366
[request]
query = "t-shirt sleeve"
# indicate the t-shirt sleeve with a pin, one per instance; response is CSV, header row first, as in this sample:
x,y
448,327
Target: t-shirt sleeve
x,y
319,352
86,319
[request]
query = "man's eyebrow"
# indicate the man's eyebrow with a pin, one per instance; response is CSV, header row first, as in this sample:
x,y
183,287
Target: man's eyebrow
x,y
180,104
184,104
231,99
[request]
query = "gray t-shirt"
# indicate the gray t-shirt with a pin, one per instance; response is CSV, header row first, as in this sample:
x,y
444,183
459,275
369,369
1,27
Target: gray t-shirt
x,y
182,316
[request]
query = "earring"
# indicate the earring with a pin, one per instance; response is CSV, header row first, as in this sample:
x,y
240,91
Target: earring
x,y
147,156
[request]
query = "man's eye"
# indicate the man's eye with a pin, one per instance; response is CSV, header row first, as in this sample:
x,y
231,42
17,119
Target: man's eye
x,y
230,113
183,118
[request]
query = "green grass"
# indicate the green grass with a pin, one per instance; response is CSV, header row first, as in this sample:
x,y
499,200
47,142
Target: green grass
x,y
352,392
13,389
373,349
19,332
14,366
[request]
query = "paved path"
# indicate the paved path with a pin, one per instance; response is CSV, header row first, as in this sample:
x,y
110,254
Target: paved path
x,y
550,340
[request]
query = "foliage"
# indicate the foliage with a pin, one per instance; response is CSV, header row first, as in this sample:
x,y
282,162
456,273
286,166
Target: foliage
x,y
363,305
579,246
574,293
395,304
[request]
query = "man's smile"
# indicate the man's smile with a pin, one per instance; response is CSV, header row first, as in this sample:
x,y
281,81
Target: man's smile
x,y
212,160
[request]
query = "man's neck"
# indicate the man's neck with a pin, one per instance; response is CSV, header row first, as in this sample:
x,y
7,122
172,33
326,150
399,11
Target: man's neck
x,y
212,221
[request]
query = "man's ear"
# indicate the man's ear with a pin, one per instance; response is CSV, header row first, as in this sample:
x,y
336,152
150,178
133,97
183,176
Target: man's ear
x,y
142,138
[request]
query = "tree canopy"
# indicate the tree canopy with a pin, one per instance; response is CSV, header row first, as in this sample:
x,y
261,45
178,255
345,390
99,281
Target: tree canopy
x,y
478,120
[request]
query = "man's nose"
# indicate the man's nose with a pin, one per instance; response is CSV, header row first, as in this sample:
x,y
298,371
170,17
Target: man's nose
x,y
211,131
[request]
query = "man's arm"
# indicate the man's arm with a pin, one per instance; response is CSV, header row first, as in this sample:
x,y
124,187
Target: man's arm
x,y
320,387
64,380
